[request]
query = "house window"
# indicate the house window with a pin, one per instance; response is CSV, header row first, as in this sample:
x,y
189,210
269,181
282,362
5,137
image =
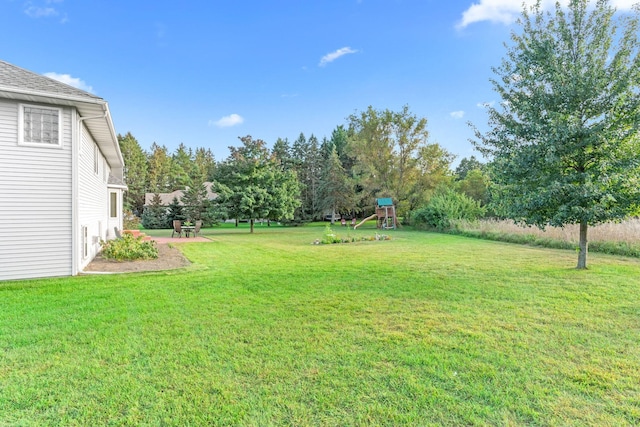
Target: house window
x,y
39,126
85,241
113,205
96,157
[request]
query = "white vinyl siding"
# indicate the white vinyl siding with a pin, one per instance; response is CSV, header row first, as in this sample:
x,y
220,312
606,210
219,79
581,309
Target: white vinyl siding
x,y
93,196
35,201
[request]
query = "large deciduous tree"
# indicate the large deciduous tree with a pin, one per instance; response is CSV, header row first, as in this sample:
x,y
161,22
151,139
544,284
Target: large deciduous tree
x,y
251,184
392,157
564,140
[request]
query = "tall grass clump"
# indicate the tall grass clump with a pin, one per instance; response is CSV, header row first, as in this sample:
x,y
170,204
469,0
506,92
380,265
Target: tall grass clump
x,y
611,238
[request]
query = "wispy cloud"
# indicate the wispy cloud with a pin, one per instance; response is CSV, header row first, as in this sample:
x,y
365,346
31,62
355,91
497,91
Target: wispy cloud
x,y
330,57
71,81
44,10
457,114
506,11
227,121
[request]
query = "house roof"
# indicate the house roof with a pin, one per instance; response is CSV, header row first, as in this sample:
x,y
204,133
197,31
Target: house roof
x,y
23,85
167,198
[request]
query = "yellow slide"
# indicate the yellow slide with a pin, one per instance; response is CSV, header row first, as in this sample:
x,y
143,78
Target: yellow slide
x,y
365,220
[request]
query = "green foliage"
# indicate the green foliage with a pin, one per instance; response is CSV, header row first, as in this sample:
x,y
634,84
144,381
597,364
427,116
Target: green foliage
x,y
135,172
392,158
564,140
175,211
465,166
194,199
475,185
251,184
130,221
445,207
330,237
129,248
336,189
155,214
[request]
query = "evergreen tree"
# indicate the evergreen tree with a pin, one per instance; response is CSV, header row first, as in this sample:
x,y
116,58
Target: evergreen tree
x,y
251,184
155,214
204,167
175,211
135,172
335,189
159,170
194,201
182,167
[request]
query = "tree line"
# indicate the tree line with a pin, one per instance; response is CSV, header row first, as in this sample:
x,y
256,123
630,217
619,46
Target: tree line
x,y
377,153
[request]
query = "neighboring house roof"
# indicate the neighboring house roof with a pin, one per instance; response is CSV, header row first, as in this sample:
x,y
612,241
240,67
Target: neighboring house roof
x,y
23,85
167,198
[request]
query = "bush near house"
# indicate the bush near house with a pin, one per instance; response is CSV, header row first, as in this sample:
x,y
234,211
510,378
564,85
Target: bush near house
x,y
129,248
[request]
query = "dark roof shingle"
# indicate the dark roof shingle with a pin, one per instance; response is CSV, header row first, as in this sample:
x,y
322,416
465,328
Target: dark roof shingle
x,y
12,77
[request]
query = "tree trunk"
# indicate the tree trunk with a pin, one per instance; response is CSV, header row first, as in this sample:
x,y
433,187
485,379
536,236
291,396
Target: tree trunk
x,y
251,222
582,255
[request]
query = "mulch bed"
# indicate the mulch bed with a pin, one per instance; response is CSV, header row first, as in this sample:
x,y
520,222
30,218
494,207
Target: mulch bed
x,y
169,258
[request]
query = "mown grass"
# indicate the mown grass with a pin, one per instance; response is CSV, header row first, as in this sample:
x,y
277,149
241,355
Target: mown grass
x,y
268,329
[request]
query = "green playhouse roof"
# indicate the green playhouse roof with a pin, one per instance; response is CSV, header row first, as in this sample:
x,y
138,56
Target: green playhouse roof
x,y
386,201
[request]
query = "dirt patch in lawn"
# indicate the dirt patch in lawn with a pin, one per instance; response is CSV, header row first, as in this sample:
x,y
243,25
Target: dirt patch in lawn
x,y
169,258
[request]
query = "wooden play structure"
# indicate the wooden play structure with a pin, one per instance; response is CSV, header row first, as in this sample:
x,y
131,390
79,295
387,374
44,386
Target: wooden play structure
x,y
385,215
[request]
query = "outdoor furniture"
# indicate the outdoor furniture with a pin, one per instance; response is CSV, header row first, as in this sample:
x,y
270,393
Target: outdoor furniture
x,y
196,230
188,229
177,228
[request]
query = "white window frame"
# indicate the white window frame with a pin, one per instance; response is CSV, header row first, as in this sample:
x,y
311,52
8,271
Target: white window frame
x,y
21,127
96,160
113,204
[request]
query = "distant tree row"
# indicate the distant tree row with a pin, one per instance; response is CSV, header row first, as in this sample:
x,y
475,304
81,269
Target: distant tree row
x,y
158,171
377,153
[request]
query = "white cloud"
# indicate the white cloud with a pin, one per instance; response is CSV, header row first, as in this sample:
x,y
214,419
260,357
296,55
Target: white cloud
x,y
457,114
40,12
71,81
506,11
330,57
227,121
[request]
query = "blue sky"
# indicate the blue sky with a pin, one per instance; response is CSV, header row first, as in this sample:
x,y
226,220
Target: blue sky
x,y
206,72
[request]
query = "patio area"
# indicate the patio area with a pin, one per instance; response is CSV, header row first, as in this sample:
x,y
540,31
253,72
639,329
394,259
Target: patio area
x,y
162,240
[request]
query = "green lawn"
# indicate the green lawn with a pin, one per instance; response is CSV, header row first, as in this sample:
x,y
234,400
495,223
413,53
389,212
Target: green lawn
x,y
268,329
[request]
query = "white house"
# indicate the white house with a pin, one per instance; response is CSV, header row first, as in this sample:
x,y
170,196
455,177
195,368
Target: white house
x,y
61,176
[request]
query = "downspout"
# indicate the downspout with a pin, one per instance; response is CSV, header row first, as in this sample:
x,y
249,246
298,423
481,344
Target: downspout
x,y
77,250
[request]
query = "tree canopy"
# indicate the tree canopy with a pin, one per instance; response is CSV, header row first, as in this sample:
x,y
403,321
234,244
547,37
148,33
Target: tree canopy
x,y
564,140
251,184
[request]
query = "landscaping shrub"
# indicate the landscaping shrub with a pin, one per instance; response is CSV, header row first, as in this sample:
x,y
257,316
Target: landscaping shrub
x,y
129,248
130,221
445,207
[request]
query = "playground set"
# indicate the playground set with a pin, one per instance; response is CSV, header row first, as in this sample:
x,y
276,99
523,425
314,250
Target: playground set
x,y
385,215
